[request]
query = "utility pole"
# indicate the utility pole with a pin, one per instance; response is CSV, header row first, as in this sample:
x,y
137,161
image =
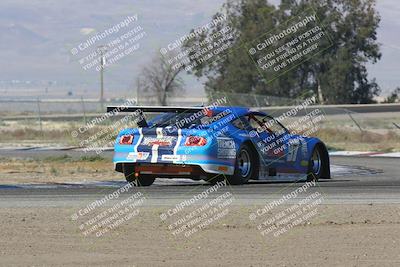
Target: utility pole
x,y
137,91
102,49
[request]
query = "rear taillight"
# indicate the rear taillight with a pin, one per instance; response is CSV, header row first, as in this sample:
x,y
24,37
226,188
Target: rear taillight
x,y
126,139
208,113
195,141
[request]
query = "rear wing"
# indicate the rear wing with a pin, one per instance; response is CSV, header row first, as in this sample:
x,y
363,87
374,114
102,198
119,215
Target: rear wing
x,y
154,109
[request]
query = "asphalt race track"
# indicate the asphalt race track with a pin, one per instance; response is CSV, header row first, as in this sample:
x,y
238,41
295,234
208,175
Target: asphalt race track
x,y
356,180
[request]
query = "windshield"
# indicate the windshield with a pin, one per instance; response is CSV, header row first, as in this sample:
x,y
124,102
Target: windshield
x,y
186,120
180,120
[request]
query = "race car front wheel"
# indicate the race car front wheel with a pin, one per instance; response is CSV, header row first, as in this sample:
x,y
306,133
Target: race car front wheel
x,y
141,180
316,164
245,167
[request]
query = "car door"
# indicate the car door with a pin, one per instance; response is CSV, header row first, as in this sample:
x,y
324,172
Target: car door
x,y
278,149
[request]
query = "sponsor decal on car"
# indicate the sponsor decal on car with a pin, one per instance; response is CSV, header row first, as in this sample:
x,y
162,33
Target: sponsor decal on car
x,y
162,141
173,157
304,148
170,157
226,149
294,145
138,155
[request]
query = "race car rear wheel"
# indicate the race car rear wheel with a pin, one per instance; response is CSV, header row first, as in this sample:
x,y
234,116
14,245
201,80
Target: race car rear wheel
x,y
141,180
245,167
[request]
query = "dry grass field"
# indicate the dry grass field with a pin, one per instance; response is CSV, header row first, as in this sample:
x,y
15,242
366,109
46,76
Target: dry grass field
x,y
377,133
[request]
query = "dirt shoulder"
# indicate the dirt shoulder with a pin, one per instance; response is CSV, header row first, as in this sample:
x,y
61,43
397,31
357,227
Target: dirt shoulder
x,y
339,235
57,169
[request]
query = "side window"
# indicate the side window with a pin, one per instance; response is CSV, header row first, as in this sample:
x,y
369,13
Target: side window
x,y
264,123
238,123
246,122
270,124
273,125
253,122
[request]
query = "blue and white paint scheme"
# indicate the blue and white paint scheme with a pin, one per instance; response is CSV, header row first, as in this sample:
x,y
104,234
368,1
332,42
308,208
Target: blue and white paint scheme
x,y
217,141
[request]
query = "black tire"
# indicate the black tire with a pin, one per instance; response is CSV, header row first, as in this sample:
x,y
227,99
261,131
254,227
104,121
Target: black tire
x,y
243,173
142,180
316,164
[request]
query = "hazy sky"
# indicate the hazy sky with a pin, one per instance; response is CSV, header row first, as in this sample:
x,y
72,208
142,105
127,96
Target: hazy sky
x,y
37,35
387,70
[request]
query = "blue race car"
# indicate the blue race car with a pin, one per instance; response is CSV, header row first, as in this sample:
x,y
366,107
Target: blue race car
x,y
235,144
